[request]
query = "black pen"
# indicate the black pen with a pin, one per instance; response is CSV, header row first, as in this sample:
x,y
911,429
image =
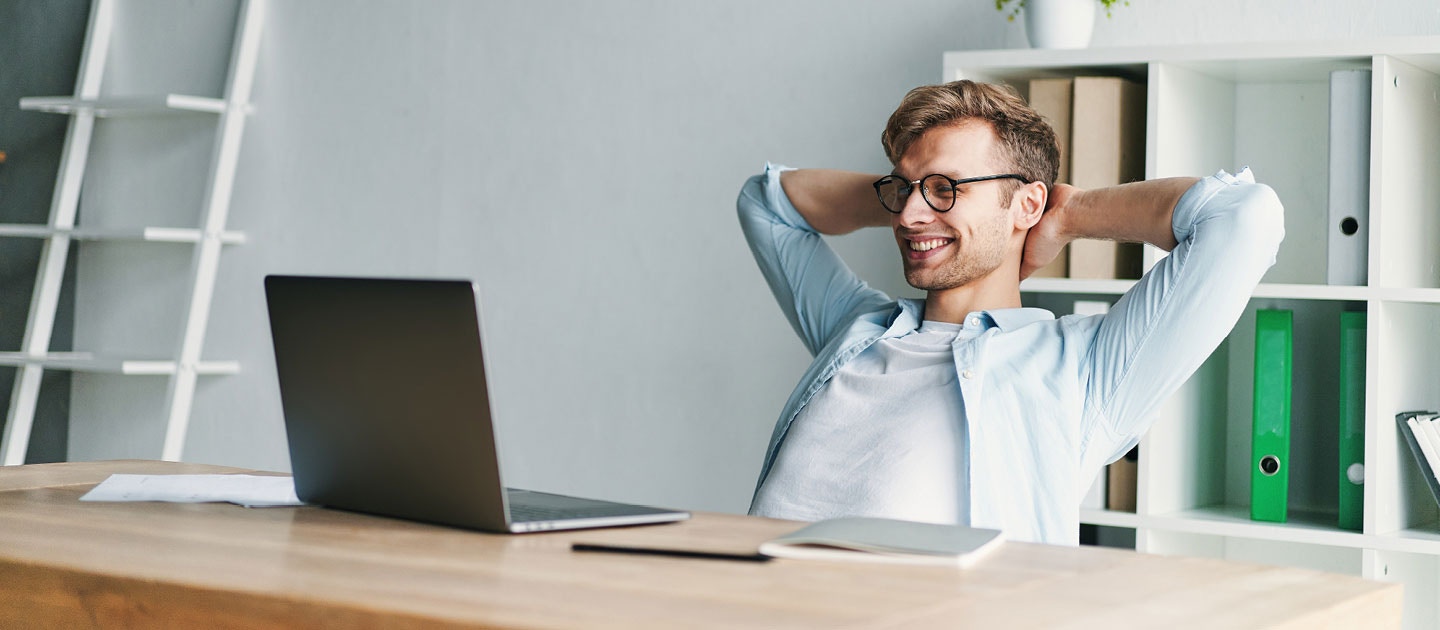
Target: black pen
x,y
674,553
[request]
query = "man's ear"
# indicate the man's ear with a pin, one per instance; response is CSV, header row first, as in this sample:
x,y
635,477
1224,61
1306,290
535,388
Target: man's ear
x,y
1029,204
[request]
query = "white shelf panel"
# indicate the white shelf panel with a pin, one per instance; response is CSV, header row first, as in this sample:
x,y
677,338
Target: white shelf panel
x,y
124,106
149,234
1411,540
1239,61
1313,292
1317,528
1073,285
1275,291
1422,296
87,362
1109,518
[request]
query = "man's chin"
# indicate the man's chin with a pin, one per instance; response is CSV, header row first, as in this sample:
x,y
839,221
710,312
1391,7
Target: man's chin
x,y
936,279
924,282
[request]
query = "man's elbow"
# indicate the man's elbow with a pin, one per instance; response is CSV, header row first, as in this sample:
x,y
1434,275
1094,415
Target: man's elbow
x,y
1258,220
751,200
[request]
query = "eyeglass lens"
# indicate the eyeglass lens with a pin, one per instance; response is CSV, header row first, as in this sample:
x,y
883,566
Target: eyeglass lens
x,y
937,190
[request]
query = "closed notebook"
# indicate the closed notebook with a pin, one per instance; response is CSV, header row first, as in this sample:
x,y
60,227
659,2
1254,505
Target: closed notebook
x,y
860,539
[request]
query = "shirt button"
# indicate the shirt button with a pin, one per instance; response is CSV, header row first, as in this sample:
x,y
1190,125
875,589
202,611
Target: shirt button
x,y
968,374
975,322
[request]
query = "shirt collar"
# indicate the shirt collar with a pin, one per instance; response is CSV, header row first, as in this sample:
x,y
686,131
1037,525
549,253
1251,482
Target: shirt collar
x,y
905,318
909,312
1008,319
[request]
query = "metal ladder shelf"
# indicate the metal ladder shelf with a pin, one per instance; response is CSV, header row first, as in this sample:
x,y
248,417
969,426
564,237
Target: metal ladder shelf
x,y
84,107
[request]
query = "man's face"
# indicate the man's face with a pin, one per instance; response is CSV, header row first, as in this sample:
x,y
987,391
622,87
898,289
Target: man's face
x,y
952,249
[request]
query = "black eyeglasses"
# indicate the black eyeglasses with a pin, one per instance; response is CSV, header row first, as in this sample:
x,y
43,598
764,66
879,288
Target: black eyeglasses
x,y
938,190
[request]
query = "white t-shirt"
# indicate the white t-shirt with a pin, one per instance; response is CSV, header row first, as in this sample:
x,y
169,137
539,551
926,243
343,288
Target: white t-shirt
x,y
885,438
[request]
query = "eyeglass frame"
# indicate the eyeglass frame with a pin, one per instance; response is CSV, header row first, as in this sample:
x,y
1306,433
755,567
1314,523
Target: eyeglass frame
x,y
926,196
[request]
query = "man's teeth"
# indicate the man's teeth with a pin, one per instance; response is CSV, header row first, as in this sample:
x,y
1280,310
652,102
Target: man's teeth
x,y
925,246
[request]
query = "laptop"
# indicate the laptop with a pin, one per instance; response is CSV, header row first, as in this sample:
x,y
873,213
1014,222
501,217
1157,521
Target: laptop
x,y
387,410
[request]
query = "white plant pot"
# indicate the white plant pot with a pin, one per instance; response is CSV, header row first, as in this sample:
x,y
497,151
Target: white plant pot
x,y
1059,23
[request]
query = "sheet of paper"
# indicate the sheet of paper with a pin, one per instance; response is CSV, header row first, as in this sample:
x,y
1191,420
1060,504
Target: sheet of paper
x,y
246,490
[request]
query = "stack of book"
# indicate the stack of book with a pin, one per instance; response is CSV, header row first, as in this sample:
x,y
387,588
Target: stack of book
x,y
1100,124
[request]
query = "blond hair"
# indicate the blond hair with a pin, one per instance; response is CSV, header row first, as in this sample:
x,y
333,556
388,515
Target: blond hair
x,y
1027,143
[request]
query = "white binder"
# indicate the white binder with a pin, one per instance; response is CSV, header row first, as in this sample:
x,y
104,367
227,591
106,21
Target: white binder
x,y
1348,231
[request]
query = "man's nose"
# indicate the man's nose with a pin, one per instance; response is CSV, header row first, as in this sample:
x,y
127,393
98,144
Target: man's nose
x,y
916,211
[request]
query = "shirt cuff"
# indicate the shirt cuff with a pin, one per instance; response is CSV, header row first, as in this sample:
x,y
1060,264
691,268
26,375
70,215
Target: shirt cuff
x,y
778,202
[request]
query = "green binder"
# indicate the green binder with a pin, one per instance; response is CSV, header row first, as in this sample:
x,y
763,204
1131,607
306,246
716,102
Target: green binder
x,y
1270,448
1352,420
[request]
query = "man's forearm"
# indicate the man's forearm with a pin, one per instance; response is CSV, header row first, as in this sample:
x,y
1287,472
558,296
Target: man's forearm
x,y
835,202
1137,212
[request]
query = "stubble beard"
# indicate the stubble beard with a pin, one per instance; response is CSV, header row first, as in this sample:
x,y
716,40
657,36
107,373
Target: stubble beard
x,y
981,256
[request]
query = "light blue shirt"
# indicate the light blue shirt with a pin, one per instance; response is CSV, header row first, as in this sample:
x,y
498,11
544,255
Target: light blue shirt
x,y
1048,402
884,438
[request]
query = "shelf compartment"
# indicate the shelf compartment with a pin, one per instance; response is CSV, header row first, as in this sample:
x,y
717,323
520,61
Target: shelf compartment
x,y
87,362
1403,378
124,106
1272,116
1107,536
1205,429
148,234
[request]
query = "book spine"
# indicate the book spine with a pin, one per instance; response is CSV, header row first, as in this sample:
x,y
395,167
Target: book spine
x,y
1052,99
1121,480
1270,452
1107,148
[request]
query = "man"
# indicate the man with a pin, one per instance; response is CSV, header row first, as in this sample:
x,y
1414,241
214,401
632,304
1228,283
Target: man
x,y
965,408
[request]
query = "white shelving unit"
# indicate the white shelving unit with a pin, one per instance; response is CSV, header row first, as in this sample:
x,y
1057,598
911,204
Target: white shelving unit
x,y
1265,105
87,106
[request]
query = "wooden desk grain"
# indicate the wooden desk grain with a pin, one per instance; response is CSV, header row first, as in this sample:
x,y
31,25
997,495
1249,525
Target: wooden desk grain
x,y
69,564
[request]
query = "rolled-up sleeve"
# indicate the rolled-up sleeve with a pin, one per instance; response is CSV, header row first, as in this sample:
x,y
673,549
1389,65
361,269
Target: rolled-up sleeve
x,y
813,286
1228,230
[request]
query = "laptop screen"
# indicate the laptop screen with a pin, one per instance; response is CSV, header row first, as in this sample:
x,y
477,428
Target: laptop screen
x,y
384,393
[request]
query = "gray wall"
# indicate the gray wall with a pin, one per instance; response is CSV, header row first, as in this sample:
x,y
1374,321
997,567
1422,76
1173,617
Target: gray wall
x,y
39,55
579,161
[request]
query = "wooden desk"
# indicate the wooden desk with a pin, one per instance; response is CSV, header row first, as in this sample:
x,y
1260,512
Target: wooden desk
x,y
69,564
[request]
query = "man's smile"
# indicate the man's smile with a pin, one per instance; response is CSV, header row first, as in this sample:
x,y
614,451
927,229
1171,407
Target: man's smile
x,y
921,247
